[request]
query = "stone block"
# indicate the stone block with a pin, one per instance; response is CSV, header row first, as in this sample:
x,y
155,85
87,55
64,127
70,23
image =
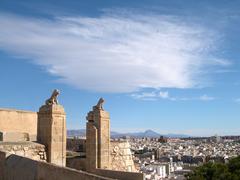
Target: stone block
x,y
14,136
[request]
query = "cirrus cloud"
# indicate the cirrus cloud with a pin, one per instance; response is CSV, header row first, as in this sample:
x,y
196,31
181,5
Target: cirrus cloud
x,y
114,52
156,95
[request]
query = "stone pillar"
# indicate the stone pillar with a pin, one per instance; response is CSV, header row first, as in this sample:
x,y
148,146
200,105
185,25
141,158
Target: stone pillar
x,y
91,147
52,132
103,120
98,138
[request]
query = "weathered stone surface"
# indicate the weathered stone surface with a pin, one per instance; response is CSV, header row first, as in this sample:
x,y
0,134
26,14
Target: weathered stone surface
x,y
21,168
14,136
121,157
98,138
91,148
53,99
26,149
52,132
19,121
74,144
76,163
100,152
121,175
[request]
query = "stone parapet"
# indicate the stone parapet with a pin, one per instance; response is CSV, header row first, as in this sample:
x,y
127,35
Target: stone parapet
x,y
121,175
28,169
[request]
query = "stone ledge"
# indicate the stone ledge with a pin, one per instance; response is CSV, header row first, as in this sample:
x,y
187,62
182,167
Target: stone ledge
x,y
23,143
17,110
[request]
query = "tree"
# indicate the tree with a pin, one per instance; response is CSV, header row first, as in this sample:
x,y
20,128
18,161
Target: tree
x,y
217,171
234,166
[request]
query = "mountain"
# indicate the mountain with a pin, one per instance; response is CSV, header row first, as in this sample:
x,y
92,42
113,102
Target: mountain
x,y
147,133
177,135
150,133
77,132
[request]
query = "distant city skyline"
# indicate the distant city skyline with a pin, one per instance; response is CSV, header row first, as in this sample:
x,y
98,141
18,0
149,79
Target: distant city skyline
x,y
170,66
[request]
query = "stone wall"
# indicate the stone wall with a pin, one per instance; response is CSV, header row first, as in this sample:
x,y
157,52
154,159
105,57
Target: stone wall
x,y
121,157
15,167
78,145
27,149
14,136
120,174
121,160
76,163
19,121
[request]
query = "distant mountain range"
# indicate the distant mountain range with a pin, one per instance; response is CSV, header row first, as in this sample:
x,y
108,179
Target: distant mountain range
x,y
147,133
77,132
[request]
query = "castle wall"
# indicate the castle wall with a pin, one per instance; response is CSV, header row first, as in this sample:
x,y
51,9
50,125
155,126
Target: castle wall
x,y
76,163
19,121
78,145
15,167
27,149
121,157
119,174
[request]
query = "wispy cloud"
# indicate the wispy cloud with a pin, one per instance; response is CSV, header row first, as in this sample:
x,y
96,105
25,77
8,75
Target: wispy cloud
x,y
145,96
114,52
164,95
206,98
156,95
237,100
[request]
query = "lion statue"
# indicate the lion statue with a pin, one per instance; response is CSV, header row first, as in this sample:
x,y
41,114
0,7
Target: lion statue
x,y
99,104
53,99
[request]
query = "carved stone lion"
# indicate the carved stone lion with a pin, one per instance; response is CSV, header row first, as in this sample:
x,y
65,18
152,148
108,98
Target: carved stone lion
x,y
100,104
53,99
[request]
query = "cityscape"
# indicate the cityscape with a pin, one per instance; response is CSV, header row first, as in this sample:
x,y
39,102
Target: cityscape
x,y
172,158
127,90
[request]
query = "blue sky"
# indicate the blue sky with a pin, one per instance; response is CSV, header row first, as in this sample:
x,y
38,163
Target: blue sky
x,y
170,66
